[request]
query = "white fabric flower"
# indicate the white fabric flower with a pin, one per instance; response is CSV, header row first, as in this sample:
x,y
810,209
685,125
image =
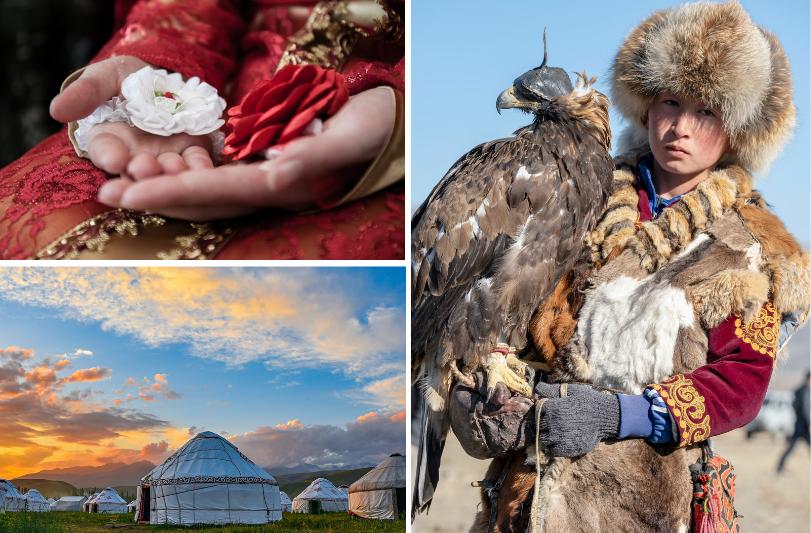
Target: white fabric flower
x,y
163,104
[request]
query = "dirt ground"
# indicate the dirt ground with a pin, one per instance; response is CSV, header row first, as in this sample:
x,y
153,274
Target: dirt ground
x,y
768,502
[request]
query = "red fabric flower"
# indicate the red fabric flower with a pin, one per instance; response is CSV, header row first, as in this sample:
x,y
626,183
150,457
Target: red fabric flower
x,y
277,111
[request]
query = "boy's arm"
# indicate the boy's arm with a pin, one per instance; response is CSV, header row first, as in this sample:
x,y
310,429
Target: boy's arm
x,y
728,391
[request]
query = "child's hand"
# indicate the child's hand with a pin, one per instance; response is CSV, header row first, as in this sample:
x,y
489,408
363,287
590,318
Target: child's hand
x,y
355,135
116,147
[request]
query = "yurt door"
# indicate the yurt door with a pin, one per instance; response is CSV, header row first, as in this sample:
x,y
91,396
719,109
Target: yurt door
x,y
146,503
315,506
401,501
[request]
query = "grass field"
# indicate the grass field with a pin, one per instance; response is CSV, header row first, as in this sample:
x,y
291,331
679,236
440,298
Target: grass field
x,y
85,522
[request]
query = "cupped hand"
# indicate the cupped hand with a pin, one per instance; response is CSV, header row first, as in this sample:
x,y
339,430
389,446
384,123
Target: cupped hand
x,y
116,147
307,171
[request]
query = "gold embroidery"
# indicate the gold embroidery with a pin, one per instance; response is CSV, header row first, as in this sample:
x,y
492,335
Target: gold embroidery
x,y
330,34
93,235
200,245
687,407
762,333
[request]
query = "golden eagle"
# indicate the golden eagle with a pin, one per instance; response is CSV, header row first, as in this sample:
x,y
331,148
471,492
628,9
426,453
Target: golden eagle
x,y
493,239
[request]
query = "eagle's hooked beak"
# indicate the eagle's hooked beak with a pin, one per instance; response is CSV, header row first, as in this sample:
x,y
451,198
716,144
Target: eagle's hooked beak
x,y
508,100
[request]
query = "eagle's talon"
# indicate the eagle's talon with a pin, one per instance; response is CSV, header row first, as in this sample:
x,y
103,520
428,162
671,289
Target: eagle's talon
x,y
464,379
501,368
519,366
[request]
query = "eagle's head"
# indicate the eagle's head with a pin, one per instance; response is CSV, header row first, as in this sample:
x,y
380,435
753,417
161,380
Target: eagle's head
x,y
533,90
547,93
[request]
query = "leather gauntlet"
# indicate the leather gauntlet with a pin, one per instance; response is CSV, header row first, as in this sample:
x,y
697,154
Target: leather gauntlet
x,y
490,429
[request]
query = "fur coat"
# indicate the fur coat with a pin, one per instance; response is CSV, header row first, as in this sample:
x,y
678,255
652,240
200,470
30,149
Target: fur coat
x,y
689,304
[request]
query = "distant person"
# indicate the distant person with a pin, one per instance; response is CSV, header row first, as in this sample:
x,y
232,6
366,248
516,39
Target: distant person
x,y
801,420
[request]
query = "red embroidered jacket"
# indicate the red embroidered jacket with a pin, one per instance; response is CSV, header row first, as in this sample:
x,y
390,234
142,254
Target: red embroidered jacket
x,y
728,391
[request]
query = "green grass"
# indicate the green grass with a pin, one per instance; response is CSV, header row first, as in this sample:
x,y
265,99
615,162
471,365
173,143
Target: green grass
x,y
97,523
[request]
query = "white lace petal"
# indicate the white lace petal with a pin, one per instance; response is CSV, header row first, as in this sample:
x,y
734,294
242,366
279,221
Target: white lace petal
x,y
110,111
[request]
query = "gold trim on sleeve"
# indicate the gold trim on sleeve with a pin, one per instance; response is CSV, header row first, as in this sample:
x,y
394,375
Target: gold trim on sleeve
x,y
687,407
762,332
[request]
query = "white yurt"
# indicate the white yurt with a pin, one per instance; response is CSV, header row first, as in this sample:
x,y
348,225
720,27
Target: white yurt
x,y
321,496
51,501
36,502
69,503
208,481
10,497
380,493
131,506
89,502
287,504
108,501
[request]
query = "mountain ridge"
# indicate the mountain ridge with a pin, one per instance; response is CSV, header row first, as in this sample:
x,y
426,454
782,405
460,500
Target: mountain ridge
x,y
108,475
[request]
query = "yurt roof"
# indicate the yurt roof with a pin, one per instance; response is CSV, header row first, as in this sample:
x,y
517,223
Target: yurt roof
x,y
33,495
208,455
284,498
92,497
390,474
322,489
109,495
9,488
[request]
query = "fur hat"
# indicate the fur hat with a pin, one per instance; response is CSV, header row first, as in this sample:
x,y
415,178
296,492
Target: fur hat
x,y
713,52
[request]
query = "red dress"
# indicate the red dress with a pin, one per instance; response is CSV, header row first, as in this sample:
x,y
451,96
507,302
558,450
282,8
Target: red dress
x,y
48,204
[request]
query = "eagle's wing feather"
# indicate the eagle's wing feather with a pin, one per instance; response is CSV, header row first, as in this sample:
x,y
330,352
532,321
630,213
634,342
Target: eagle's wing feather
x,y
459,232
489,245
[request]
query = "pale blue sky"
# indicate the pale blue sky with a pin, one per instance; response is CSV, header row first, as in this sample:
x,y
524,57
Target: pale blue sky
x,y
463,54
133,361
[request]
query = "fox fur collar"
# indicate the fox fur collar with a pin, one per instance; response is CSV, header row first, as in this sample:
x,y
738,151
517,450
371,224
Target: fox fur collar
x,y
782,277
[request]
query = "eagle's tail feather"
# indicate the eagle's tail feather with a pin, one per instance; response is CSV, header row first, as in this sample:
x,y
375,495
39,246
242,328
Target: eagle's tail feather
x,y
433,430
433,385
429,393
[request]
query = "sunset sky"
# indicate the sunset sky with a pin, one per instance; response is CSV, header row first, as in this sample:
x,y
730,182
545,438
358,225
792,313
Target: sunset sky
x,y
101,365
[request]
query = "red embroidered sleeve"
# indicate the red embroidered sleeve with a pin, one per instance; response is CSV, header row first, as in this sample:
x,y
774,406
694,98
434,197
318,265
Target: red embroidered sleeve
x,y
728,391
193,37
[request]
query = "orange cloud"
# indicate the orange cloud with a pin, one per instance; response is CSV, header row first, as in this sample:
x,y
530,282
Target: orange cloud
x,y
15,353
367,417
291,424
88,374
41,377
62,363
149,391
41,428
398,417
153,452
